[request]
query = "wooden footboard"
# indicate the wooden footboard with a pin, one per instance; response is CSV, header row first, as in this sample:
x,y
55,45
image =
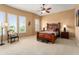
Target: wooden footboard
x,y
46,36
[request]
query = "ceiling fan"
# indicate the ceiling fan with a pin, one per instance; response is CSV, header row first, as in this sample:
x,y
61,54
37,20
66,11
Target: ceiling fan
x,y
44,9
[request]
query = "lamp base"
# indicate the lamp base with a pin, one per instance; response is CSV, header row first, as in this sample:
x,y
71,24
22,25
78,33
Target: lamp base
x,y
64,29
2,44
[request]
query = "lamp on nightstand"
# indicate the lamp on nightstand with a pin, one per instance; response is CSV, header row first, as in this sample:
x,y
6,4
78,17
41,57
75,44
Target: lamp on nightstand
x,y
43,28
65,28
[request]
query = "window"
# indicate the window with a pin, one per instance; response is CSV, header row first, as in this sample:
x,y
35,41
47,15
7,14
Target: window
x,y
22,24
12,21
37,25
2,18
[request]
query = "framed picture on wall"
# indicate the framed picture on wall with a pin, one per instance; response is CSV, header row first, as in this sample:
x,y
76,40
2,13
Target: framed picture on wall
x,y
77,17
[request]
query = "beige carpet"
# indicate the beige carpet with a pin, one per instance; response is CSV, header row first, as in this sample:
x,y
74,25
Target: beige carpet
x,y
30,46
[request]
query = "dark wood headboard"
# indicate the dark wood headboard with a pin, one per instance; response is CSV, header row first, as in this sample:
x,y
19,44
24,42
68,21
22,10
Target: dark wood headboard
x,y
54,26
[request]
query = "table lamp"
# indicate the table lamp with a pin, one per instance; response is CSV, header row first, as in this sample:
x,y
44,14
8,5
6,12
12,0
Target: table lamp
x,y
65,27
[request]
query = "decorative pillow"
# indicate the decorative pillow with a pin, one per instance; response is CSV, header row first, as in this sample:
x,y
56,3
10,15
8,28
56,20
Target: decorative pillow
x,y
52,27
12,33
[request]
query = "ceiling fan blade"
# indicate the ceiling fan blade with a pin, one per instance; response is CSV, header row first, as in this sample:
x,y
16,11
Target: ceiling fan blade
x,y
48,11
49,8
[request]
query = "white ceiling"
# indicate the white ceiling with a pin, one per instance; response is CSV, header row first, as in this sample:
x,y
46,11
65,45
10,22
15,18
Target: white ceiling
x,y
34,8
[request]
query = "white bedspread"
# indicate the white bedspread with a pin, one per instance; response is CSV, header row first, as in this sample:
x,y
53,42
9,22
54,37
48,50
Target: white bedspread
x,y
49,32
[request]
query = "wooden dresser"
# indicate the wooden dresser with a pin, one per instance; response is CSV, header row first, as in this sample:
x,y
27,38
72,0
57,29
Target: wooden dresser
x,y
65,35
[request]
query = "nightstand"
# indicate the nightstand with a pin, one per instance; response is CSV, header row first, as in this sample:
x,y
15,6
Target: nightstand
x,y
65,35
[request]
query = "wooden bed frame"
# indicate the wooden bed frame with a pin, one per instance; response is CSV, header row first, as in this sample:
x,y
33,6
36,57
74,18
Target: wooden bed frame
x,y
49,37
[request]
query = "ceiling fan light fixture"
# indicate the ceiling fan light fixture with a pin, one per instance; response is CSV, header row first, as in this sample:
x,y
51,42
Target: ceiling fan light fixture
x,y
43,11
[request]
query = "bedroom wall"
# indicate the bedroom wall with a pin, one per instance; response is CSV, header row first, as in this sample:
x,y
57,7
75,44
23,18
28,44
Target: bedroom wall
x,y
76,27
65,17
30,17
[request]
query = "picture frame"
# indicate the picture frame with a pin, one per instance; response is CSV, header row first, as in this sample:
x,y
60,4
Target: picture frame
x,y
29,23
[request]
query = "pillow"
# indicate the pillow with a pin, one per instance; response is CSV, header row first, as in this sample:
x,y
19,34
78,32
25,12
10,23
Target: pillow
x,y
12,33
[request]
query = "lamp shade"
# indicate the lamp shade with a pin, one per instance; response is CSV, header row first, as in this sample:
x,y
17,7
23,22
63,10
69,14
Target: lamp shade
x,y
43,11
65,26
6,24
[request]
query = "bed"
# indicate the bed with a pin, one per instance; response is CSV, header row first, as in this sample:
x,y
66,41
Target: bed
x,y
51,34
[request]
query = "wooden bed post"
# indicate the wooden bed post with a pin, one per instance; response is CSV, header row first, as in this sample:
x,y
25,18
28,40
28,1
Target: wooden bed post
x,y
59,24
37,35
